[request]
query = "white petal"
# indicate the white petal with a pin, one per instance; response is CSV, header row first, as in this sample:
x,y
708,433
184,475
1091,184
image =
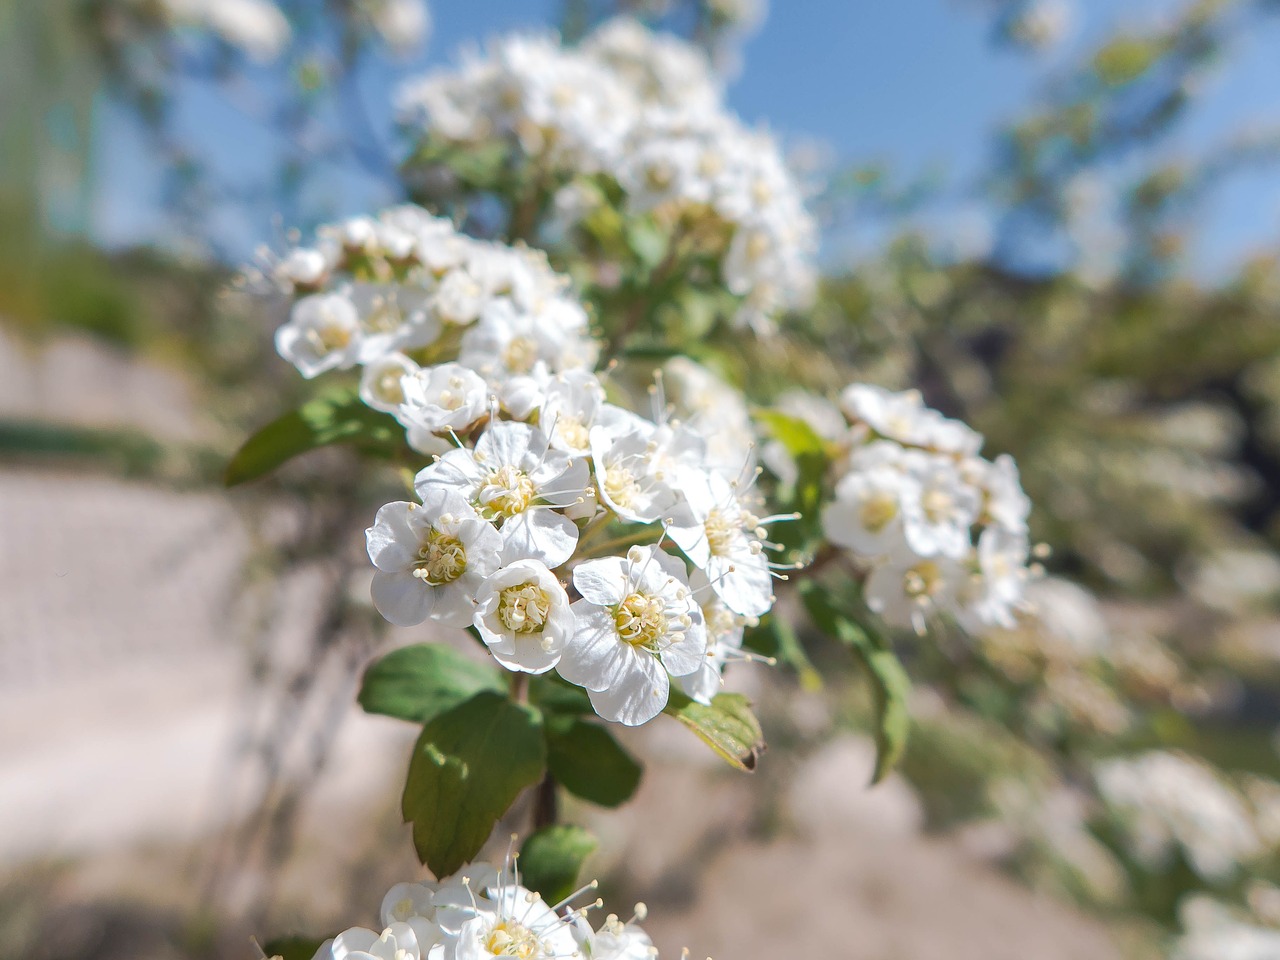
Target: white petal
x,y
603,581
539,535
639,699
593,656
402,598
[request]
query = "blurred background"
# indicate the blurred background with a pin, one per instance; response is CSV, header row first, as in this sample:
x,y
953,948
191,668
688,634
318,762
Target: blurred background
x,y
1060,219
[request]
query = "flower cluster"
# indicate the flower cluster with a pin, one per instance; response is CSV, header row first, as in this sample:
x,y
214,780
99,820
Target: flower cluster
x,y
1166,802
486,914
940,529
550,518
644,113
395,293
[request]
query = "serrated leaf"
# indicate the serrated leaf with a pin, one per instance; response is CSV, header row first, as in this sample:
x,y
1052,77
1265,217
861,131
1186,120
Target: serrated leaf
x,y
588,762
420,682
551,860
468,766
889,682
293,948
727,726
338,418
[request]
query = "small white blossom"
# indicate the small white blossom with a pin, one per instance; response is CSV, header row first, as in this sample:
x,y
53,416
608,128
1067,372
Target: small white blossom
x,y
323,333
443,398
523,616
431,558
513,478
721,536
381,384
637,622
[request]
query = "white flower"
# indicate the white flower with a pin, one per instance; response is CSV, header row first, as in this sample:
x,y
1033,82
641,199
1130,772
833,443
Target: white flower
x,y
431,559
523,616
380,381
460,298
866,514
403,24
720,535
397,942
392,317
716,412
514,479
1166,801
906,592
323,333
570,404
519,924
998,590
615,940
303,267
637,622
413,904
936,522
905,418
626,475
1216,932
1006,504
507,342
443,398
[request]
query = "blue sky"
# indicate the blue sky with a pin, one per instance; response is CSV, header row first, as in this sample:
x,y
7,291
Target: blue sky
x,y
914,83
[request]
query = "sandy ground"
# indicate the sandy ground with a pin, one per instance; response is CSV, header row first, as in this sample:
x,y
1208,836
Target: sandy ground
x,y
122,694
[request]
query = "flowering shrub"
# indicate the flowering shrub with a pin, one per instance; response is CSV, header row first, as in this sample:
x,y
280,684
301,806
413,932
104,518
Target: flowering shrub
x,y
611,532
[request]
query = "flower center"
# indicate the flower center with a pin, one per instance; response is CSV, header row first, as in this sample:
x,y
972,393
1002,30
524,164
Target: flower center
x,y
383,318
936,504
387,387
507,491
641,621
441,558
621,486
330,338
524,608
922,581
520,355
573,432
720,531
454,395
511,939
877,511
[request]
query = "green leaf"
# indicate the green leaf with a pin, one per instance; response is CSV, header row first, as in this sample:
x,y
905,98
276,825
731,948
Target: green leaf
x,y
468,766
293,948
727,726
552,694
647,241
809,451
889,682
552,858
420,682
589,763
338,418
795,434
